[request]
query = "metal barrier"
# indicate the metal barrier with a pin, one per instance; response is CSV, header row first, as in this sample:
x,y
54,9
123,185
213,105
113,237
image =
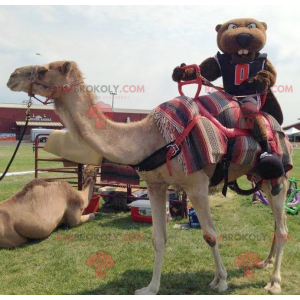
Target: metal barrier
x,y
77,180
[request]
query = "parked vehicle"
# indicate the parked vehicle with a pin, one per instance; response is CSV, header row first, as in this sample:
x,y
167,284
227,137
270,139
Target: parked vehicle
x,y
36,131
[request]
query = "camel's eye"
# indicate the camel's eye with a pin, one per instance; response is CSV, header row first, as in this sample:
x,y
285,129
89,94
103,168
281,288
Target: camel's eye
x,y
232,26
252,25
42,71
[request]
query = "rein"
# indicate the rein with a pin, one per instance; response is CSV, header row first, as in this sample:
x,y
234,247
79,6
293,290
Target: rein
x,y
20,140
35,80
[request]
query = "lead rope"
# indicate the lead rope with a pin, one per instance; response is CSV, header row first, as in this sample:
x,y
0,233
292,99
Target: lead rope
x,y
21,138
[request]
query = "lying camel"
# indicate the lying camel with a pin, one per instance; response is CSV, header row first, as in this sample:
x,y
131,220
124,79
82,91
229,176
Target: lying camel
x,y
36,210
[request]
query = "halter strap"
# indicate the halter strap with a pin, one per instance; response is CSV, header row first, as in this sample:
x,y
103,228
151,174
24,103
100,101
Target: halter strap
x,y
35,80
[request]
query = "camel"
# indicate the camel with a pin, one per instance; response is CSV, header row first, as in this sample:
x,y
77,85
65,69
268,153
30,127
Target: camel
x,y
40,207
133,142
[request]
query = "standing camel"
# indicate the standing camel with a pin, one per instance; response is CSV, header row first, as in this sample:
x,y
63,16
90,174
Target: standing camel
x,y
130,144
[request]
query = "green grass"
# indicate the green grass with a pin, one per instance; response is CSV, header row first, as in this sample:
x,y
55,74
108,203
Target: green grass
x,y
59,267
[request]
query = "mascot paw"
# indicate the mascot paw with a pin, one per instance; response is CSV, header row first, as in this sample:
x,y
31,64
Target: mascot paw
x,y
261,81
178,73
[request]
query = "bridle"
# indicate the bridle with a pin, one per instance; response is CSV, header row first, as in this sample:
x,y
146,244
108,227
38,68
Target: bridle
x,y
35,80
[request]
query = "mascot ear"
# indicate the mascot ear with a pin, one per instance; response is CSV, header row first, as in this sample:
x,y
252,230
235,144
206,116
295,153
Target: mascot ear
x,y
265,25
218,27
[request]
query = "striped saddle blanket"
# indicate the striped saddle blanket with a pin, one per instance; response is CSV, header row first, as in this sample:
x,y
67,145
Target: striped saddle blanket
x,y
206,143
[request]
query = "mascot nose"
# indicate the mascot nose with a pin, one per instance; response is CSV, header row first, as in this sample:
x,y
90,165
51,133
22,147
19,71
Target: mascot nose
x,y
244,39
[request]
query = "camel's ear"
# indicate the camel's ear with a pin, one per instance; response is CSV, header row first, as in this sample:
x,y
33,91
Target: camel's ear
x,y
66,67
265,25
218,27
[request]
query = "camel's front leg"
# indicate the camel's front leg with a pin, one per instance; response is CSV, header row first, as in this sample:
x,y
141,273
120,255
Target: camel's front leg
x,y
157,196
277,204
198,195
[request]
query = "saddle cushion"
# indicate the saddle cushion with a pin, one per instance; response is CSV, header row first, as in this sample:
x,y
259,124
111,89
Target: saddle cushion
x,y
206,143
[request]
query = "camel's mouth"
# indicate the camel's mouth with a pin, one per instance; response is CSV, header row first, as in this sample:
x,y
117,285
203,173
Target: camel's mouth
x,y
12,86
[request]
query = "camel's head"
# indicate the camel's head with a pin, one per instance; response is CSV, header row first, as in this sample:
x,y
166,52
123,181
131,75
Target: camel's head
x,y
89,179
56,74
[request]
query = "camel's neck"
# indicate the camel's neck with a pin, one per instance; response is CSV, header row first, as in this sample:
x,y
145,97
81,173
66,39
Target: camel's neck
x,y
118,142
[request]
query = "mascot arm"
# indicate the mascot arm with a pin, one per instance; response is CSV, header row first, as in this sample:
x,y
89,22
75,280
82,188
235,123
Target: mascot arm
x,y
209,69
264,79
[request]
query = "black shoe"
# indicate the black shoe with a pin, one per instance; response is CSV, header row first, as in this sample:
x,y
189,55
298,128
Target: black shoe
x,y
269,166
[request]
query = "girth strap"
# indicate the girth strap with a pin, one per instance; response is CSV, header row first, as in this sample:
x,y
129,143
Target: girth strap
x,y
166,153
227,161
157,159
233,185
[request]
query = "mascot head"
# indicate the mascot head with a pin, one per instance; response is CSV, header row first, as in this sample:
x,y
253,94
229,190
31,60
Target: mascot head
x,y
241,38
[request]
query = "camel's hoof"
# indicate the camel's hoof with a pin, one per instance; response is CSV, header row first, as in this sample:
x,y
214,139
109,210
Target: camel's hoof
x,y
213,285
265,264
92,217
273,289
220,285
145,291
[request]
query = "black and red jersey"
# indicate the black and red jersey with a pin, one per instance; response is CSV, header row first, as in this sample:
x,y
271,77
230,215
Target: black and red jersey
x,y
234,75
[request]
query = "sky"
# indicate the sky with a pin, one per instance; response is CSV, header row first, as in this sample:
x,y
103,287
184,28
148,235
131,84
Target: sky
x,y
140,46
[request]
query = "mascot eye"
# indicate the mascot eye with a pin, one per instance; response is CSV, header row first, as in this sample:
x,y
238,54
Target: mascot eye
x,y
252,25
232,26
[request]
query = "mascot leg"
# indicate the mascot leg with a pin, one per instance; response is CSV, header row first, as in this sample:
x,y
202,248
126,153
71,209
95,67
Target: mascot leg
x,y
269,165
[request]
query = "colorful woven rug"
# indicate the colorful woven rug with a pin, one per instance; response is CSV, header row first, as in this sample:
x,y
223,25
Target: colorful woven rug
x,y
118,174
206,144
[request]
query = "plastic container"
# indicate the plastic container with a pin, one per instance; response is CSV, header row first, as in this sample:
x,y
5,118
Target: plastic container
x,y
93,205
193,219
141,211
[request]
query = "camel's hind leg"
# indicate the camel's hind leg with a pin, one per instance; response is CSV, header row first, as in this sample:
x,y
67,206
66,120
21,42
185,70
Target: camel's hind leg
x,y
9,237
157,196
12,240
277,203
198,195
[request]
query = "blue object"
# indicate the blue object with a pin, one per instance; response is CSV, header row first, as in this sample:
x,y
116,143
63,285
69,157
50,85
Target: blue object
x,y
193,219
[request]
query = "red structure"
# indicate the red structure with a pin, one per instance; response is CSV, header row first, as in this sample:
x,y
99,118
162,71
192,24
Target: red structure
x,y
12,118
295,125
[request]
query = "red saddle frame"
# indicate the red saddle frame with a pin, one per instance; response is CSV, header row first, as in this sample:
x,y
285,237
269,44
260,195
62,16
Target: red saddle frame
x,y
229,132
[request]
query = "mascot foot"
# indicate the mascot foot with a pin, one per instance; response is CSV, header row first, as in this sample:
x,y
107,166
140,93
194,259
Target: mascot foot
x,y
270,167
273,287
146,291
